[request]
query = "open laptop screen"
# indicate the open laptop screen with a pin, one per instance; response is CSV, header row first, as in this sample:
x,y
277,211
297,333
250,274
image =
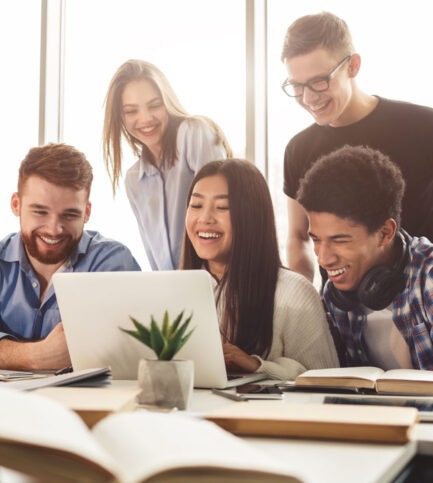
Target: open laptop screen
x,y
94,305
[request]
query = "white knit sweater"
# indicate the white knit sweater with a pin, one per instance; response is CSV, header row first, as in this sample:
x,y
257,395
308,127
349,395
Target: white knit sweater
x,y
301,336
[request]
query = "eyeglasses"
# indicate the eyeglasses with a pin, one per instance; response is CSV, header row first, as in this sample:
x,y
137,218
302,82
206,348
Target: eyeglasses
x,y
318,84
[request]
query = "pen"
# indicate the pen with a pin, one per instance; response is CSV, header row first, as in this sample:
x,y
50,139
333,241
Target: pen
x,y
65,370
228,395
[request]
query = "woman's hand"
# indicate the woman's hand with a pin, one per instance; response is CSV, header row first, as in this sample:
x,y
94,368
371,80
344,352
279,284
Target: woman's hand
x,y
238,360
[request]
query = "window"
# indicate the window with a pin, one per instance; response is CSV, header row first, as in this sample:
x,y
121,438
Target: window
x,y
200,47
19,95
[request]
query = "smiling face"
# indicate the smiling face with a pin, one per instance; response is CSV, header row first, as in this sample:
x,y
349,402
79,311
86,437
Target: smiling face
x,y
52,218
144,114
346,250
208,222
331,107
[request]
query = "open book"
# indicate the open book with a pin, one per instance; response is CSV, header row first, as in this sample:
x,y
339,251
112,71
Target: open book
x,y
336,422
396,381
44,439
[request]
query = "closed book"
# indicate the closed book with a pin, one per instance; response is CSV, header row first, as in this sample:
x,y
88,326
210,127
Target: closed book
x,y
93,404
330,421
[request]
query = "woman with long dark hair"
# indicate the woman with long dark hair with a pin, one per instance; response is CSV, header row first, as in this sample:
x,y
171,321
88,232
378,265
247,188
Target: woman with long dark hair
x,y
272,319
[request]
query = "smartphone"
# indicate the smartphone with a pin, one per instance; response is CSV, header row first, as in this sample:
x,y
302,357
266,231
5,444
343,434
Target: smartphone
x,y
259,391
287,387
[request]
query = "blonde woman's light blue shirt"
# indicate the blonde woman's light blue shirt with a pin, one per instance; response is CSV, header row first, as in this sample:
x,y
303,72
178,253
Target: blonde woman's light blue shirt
x,y
158,196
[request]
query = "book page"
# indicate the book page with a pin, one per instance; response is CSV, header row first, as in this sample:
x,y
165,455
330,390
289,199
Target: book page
x,y
337,375
39,421
108,399
146,443
406,381
408,375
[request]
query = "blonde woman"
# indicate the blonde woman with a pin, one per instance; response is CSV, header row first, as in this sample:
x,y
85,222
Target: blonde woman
x,y
172,146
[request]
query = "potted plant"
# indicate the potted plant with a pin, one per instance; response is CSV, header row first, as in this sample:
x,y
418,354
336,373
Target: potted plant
x,y
164,381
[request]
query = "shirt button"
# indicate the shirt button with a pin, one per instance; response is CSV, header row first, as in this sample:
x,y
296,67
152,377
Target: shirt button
x,y
359,351
35,284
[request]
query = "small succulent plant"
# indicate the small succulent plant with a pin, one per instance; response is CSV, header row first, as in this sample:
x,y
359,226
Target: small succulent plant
x,y
164,339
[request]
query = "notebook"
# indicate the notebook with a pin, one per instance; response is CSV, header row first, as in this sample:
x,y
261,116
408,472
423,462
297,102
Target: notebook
x,y
94,305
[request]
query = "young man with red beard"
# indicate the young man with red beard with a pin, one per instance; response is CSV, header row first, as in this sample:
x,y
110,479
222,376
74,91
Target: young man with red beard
x,y
379,291
322,66
52,203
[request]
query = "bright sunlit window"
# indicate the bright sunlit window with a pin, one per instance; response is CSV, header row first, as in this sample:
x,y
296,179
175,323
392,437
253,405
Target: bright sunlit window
x,y
19,95
200,46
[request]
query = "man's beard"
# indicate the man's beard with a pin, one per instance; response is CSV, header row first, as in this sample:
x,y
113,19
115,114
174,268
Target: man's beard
x,y
50,257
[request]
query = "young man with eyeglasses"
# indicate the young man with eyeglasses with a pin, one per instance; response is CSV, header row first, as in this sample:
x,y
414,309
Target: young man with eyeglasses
x,y
322,67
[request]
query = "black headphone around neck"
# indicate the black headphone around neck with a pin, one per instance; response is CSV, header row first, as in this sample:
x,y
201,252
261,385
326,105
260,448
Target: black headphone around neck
x,y
378,286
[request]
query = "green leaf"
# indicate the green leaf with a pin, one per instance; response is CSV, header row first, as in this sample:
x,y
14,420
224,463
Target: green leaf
x,y
179,333
167,354
166,325
136,335
165,339
177,345
176,322
142,330
177,340
156,338
183,341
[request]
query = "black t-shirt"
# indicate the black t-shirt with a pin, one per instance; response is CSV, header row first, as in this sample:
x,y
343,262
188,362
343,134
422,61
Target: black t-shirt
x,y
401,130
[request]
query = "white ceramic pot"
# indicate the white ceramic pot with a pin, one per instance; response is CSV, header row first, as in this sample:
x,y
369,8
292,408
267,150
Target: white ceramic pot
x,y
166,384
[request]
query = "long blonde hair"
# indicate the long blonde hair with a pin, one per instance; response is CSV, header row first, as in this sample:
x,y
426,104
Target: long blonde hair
x,y
114,128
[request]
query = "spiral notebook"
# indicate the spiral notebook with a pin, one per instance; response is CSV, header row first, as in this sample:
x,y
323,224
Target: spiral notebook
x,y
94,305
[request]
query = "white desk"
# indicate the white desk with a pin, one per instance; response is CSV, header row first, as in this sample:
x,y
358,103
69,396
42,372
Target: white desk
x,y
314,461
328,461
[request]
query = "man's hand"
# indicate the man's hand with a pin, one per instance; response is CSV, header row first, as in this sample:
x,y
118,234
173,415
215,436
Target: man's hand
x,y
49,353
52,352
238,360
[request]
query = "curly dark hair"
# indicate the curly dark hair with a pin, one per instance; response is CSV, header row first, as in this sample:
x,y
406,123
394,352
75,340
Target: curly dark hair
x,y
355,182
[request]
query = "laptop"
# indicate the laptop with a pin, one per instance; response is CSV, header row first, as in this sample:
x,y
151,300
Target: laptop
x,y
94,305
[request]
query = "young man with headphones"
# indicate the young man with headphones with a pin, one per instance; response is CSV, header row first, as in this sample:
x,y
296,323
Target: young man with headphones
x,y
379,292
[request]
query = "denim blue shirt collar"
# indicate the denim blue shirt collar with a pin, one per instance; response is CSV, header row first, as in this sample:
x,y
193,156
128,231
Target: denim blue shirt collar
x,y
22,314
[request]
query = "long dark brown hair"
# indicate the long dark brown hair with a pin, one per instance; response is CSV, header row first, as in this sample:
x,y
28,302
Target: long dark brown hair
x,y
251,276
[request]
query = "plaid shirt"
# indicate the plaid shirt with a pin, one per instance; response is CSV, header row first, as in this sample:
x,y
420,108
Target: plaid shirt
x,y
412,311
